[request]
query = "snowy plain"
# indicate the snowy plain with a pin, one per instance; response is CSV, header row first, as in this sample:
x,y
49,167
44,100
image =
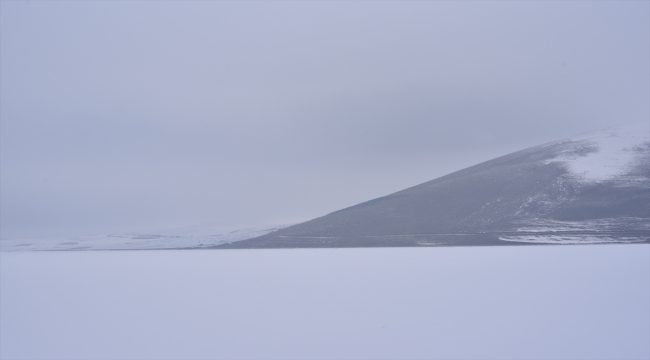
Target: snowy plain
x,y
506,302
189,237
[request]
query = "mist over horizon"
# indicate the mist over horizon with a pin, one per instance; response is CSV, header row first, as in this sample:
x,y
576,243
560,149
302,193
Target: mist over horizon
x,y
121,117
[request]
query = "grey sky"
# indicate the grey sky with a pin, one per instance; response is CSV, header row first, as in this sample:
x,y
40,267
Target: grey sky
x,y
132,116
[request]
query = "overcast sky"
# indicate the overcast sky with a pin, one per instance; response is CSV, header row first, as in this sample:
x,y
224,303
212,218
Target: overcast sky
x,y
124,116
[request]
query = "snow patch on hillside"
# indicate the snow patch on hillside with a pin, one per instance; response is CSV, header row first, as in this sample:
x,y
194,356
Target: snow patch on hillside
x,y
609,153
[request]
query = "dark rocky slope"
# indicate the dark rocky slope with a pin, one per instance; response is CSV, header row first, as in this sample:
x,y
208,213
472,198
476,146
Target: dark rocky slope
x,y
590,189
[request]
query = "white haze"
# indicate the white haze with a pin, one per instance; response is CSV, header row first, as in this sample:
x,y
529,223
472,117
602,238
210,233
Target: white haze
x,y
124,116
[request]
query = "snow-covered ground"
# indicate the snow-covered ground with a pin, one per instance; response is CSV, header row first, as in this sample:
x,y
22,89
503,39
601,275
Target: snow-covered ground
x,y
574,239
191,237
512,302
602,224
596,231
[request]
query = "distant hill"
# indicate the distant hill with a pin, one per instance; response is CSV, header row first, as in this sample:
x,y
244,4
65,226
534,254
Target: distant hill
x,y
592,188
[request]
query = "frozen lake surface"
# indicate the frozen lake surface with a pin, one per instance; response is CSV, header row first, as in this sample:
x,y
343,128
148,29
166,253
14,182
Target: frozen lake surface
x,y
507,302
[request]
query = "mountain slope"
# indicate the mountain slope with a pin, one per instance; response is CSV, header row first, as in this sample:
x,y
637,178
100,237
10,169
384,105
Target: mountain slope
x,y
590,188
